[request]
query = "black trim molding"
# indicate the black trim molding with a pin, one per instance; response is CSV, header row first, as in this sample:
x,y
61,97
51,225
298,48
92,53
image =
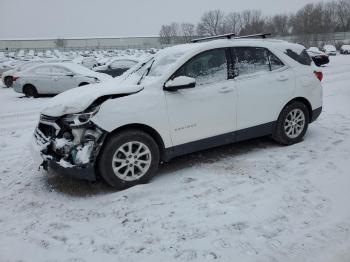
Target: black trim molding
x,y
220,140
315,114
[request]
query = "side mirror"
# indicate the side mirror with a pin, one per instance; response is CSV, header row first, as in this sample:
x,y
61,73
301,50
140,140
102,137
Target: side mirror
x,y
180,82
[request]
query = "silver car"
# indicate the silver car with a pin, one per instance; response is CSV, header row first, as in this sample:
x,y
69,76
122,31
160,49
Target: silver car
x,y
54,78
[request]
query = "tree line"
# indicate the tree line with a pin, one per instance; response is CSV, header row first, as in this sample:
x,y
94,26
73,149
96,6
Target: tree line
x,y
318,18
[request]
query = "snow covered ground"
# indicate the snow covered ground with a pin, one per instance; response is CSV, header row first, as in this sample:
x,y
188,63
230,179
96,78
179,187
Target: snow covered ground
x,y
253,201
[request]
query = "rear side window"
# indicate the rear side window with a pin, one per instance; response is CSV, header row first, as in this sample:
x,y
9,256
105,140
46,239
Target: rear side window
x,y
275,62
43,70
301,57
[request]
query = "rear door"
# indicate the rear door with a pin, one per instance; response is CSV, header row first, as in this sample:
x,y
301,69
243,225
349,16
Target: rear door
x,y
264,85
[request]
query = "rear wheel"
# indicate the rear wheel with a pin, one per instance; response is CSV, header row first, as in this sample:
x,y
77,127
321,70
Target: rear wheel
x,y
8,81
128,158
30,91
292,123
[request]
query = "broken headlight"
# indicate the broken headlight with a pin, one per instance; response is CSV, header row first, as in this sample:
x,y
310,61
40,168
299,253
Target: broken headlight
x,y
80,119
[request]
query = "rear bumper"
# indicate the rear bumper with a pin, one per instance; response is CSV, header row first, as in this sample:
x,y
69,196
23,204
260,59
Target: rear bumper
x,y
315,114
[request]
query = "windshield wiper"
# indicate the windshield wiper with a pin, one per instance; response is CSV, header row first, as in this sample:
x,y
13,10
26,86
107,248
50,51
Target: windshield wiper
x,y
142,65
146,73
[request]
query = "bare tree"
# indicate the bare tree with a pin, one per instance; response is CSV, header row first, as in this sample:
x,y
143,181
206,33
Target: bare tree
x,y
252,22
169,33
233,23
211,23
343,15
187,32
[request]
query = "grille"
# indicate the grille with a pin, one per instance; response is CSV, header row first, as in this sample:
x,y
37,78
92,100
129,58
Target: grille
x,y
47,130
48,126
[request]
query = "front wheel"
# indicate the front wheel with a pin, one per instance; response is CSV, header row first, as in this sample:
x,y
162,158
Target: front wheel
x,y
128,158
292,124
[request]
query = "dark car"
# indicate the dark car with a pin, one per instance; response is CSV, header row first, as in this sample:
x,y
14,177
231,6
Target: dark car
x,y
318,57
116,67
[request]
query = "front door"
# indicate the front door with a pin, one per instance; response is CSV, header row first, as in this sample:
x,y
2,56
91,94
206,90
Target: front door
x,y
207,112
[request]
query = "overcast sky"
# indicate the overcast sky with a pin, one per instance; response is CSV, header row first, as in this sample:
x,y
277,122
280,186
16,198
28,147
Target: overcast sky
x,y
90,18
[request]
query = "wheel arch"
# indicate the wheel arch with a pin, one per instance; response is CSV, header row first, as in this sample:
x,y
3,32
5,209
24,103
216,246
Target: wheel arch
x,y
145,128
305,102
28,85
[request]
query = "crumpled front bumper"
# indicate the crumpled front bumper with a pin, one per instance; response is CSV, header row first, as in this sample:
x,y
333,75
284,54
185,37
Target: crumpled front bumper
x,y
43,146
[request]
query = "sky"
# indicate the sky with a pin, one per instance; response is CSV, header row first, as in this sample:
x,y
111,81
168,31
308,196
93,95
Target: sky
x,y
112,18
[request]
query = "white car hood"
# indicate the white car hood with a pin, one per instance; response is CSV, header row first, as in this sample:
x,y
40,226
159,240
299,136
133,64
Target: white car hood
x,y
78,99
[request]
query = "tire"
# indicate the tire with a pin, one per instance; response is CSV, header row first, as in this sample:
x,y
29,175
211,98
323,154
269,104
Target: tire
x,y
116,166
292,123
8,81
30,91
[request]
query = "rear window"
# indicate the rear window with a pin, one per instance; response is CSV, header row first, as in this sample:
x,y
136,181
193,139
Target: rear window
x,y
302,58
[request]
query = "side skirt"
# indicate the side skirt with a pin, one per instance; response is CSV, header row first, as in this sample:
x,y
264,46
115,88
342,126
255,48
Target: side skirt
x,y
220,140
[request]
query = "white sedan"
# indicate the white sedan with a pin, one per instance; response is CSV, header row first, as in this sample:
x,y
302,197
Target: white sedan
x,y
54,78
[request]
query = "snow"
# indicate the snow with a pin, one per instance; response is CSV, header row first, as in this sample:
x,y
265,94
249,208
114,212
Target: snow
x,y
253,201
78,99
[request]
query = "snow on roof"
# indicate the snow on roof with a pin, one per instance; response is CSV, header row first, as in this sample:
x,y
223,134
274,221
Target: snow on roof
x,y
71,66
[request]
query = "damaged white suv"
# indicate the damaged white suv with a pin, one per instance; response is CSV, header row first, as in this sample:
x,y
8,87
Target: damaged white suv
x,y
185,99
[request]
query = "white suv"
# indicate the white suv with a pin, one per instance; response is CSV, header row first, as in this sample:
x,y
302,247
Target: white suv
x,y
185,99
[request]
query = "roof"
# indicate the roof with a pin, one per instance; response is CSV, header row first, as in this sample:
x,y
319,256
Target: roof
x,y
222,43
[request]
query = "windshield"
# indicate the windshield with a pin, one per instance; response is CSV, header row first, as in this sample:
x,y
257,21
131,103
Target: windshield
x,y
154,67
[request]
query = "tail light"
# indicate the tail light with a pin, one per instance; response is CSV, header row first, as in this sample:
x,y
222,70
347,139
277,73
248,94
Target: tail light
x,y
14,78
319,75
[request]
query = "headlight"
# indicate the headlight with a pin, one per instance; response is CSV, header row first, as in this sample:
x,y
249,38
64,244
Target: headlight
x,y
80,118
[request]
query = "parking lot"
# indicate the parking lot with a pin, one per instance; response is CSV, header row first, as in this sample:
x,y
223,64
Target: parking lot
x,y
252,201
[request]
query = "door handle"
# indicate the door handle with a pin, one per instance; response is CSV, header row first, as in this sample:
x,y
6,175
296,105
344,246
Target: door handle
x,y
226,89
282,78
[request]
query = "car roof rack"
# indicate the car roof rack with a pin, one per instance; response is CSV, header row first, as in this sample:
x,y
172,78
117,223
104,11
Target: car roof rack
x,y
228,36
231,36
262,35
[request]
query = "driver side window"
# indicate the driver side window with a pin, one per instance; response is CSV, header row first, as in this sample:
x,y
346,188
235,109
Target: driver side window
x,y
207,68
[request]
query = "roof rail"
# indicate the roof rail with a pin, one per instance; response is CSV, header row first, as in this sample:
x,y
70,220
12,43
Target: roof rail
x,y
231,36
228,36
262,35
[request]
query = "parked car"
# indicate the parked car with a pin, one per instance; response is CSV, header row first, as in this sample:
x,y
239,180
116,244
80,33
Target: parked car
x,y
8,75
181,101
116,67
318,57
54,78
89,62
330,50
7,64
345,49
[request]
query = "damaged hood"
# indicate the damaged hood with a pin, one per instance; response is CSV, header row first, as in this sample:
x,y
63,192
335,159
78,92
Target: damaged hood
x,y
78,99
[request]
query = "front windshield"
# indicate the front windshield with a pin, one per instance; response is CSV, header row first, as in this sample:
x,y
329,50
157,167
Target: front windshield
x,y
154,68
